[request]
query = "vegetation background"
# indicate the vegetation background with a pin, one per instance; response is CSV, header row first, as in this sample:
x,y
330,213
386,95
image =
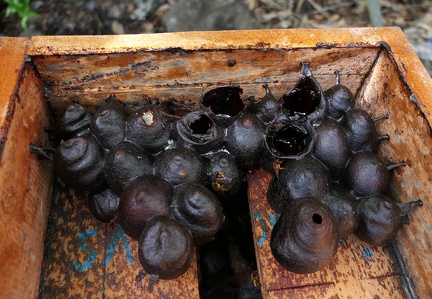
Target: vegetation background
x,y
94,17
72,17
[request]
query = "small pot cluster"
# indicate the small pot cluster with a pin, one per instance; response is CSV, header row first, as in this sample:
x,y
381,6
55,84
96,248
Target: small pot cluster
x,y
339,186
163,176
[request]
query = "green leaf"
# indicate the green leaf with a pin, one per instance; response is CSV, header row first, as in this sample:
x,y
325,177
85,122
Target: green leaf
x,y
24,23
22,8
10,11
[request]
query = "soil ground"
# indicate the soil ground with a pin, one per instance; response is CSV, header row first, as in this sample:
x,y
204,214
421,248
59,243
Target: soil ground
x,y
85,17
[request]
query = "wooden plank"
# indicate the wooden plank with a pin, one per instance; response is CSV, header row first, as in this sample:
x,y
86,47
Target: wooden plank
x,y
410,140
380,287
25,190
205,40
383,92
61,47
12,52
187,75
358,268
88,259
410,69
73,262
388,89
180,67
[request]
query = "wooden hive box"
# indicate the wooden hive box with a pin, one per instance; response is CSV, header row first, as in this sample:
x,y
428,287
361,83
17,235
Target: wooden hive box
x,y
70,255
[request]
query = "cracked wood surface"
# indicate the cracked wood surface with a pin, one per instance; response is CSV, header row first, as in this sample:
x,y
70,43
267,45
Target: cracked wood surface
x,y
358,270
85,258
379,64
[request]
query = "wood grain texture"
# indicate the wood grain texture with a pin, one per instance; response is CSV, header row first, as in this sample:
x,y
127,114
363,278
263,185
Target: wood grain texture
x,y
410,70
385,91
85,258
209,40
12,51
406,59
24,193
186,75
411,141
358,270
380,287
378,64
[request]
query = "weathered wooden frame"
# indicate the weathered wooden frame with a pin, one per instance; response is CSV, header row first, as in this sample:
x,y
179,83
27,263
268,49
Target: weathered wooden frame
x,y
40,75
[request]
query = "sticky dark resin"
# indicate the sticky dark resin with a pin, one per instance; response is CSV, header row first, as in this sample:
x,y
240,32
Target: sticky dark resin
x,y
108,124
225,103
199,210
232,62
267,108
165,250
286,139
75,121
198,130
304,238
202,125
290,140
104,205
42,153
305,98
79,163
380,218
146,197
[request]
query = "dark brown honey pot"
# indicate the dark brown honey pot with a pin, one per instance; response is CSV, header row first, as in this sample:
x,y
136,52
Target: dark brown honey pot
x,y
182,168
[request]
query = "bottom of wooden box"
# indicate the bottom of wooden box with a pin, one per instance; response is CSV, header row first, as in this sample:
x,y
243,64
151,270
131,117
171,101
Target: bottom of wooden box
x,y
84,257
359,270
